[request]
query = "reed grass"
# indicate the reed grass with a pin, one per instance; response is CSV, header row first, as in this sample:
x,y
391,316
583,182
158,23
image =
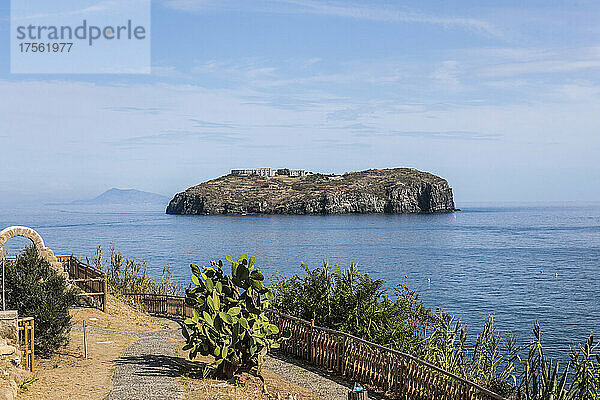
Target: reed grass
x,y
128,275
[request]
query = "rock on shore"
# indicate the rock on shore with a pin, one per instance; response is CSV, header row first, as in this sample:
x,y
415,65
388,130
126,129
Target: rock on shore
x,y
394,191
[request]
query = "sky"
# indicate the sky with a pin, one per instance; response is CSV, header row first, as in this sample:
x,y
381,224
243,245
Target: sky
x,y
500,98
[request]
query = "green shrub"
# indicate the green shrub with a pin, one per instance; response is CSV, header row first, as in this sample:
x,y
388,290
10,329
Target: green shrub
x,y
352,302
36,290
228,323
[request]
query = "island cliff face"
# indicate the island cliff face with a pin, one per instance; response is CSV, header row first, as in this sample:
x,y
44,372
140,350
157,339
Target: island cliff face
x,y
394,191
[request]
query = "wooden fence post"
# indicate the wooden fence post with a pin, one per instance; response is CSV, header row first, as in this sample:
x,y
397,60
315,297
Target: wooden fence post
x,y
363,395
105,300
311,352
84,339
32,345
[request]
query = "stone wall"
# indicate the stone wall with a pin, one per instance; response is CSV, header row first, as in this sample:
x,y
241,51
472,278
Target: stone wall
x,y
9,328
10,356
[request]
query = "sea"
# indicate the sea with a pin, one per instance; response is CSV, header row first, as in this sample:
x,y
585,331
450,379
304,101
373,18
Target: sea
x,y
519,262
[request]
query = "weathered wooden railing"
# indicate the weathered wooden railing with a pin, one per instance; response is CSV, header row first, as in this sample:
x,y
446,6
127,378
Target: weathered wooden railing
x,y
395,373
162,305
398,374
26,342
92,282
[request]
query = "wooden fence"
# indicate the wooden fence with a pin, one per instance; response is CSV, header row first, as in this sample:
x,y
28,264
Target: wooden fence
x,y
26,342
162,305
92,282
398,374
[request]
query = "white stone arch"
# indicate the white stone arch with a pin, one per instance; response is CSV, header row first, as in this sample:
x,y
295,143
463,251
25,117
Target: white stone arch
x,y
36,239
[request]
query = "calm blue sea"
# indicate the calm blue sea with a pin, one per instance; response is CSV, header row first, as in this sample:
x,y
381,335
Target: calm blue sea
x,y
519,262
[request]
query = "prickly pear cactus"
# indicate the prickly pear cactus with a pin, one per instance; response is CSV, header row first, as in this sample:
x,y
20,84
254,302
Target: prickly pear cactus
x,y
228,321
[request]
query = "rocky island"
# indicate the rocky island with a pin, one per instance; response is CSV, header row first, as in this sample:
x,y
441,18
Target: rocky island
x,y
394,191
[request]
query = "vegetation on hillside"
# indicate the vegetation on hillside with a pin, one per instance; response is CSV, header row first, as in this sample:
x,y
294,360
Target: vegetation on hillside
x,y
35,289
353,302
397,190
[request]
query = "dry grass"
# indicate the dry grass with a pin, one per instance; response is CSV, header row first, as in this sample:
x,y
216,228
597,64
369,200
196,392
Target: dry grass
x,y
67,375
197,388
119,317
210,389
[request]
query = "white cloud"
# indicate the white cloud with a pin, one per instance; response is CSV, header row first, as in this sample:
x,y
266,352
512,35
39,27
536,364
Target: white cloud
x,y
189,5
580,92
168,72
387,14
100,7
243,71
538,67
447,74
338,9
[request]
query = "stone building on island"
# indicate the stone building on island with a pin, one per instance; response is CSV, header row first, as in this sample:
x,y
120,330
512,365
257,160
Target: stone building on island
x,y
265,172
242,172
297,172
270,172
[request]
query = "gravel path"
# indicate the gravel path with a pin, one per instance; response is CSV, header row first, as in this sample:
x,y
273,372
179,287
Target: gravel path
x,y
149,367
325,385
147,370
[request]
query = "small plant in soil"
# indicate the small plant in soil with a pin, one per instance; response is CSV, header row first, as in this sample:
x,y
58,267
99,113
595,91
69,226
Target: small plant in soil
x,y
229,320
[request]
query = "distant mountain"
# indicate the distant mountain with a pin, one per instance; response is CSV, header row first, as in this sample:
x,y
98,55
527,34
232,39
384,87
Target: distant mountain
x,y
116,196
